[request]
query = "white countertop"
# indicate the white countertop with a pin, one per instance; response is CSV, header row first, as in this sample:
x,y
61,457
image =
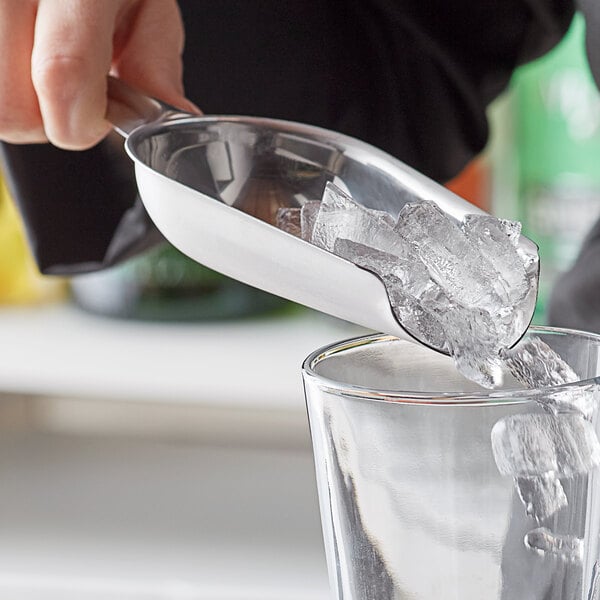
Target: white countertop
x,y
204,492
59,350
110,518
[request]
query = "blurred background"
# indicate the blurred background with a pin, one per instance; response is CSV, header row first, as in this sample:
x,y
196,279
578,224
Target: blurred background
x,y
154,443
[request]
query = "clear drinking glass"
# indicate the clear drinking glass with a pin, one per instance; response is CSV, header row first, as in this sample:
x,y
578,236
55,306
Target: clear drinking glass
x,y
412,503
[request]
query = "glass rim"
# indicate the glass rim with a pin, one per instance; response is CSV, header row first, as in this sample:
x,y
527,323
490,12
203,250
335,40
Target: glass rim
x,y
491,397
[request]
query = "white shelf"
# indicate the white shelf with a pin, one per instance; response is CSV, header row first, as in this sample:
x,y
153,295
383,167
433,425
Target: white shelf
x,y
62,351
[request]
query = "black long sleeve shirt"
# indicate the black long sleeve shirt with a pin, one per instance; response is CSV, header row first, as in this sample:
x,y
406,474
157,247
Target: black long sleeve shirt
x,y
413,77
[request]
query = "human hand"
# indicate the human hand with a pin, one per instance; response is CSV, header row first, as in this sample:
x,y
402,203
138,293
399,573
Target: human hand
x,y
55,56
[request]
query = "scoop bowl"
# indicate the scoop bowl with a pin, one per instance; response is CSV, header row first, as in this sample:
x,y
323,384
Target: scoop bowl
x,y
213,185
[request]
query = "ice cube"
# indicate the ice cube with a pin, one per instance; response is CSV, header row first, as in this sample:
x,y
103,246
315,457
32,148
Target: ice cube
x,y
375,260
412,276
512,229
547,543
453,261
513,320
471,338
405,282
426,312
442,288
535,364
288,220
308,217
495,240
340,217
465,334
384,216
582,399
529,253
525,445
542,495
415,315
477,365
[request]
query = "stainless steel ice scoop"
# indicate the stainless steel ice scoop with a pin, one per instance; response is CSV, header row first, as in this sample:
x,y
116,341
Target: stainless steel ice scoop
x,y
213,184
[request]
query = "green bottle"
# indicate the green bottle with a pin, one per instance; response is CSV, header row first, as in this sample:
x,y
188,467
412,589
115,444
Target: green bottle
x,y
556,112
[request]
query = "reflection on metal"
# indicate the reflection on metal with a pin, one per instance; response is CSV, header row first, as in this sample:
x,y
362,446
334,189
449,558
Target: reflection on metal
x,y
194,171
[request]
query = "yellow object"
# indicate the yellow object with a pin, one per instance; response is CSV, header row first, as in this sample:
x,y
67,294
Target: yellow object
x,y
20,280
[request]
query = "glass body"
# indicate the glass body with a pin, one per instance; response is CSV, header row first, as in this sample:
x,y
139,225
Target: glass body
x,y
412,503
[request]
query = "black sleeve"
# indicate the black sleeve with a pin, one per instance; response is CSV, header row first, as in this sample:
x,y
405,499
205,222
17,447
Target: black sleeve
x,y
80,209
575,299
413,77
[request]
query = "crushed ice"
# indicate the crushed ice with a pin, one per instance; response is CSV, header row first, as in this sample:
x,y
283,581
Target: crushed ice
x,y
457,287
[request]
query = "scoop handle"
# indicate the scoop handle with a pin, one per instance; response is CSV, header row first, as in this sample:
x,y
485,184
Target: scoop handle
x,y
128,109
